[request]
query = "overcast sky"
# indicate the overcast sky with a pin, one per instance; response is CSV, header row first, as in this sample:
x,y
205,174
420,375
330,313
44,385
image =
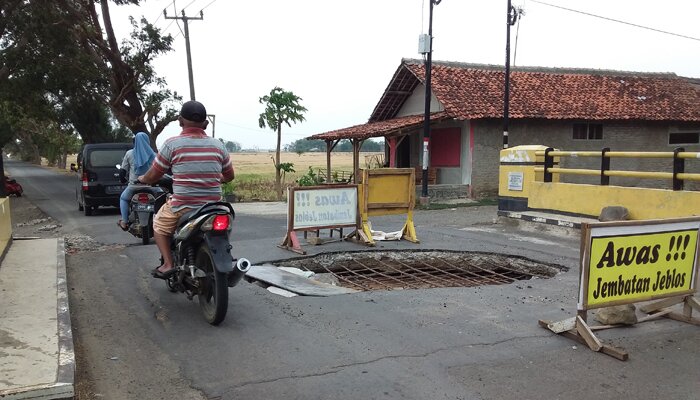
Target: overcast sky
x,y
339,55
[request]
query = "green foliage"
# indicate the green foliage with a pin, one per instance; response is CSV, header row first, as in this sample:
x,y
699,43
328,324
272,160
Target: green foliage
x,y
254,187
303,145
231,147
367,145
310,179
227,188
281,107
61,68
287,167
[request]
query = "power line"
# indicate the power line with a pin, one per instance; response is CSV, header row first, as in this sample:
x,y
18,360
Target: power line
x,y
617,20
189,4
161,14
210,3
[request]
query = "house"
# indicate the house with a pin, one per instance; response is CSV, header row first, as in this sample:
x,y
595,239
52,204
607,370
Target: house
x,y
569,109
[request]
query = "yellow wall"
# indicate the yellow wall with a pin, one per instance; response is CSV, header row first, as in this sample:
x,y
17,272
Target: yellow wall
x,y
521,159
5,224
642,203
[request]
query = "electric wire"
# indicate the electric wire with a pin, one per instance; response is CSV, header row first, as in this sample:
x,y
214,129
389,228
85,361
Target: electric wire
x,y
520,12
205,7
189,4
176,19
617,20
161,14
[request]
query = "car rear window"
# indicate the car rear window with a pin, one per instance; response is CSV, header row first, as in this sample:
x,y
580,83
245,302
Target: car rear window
x,y
106,157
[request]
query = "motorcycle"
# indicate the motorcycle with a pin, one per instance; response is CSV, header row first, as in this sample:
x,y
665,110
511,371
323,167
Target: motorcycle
x,y
142,206
12,187
202,258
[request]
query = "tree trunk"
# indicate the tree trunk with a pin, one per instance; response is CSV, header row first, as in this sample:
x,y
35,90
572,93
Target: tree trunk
x,y
278,174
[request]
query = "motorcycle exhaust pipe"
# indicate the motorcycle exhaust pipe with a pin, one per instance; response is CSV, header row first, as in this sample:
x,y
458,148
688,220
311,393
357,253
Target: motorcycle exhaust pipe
x,y
243,264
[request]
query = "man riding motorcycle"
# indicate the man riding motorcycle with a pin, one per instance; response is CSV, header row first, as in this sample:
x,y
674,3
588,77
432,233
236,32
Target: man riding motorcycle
x,y
199,165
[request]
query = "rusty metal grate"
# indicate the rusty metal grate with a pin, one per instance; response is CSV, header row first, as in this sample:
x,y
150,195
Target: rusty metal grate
x,y
421,270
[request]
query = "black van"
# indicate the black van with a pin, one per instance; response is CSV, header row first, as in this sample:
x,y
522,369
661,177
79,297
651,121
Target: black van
x,y
98,178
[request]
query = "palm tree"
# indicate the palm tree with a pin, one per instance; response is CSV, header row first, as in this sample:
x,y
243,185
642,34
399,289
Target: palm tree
x,y
280,108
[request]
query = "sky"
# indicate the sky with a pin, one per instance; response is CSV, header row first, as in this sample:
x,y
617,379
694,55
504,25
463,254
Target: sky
x,y
339,55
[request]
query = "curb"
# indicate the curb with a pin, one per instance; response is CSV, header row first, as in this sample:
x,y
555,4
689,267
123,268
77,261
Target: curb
x,y
543,220
63,387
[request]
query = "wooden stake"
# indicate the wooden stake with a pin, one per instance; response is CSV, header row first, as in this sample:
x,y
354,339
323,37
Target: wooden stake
x,y
591,340
671,301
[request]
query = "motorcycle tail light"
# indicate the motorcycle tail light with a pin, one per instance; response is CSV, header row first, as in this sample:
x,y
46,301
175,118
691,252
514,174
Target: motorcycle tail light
x,y
220,223
143,198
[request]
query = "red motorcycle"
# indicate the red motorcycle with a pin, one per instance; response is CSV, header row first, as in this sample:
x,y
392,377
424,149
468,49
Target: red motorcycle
x,y
12,187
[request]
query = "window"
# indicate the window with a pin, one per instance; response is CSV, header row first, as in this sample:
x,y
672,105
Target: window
x,y
588,131
684,138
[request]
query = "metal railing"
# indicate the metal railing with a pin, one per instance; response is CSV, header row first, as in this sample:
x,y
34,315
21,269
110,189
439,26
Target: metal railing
x,y
677,176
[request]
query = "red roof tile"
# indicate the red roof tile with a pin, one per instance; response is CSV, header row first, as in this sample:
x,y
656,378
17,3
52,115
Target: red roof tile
x,y
469,91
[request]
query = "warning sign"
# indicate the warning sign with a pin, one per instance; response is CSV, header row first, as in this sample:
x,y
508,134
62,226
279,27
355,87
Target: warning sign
x,y
628,262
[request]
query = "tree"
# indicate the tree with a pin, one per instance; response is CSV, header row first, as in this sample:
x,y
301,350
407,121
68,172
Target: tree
x,y
231,147
304,145
281,107
136,96
60,52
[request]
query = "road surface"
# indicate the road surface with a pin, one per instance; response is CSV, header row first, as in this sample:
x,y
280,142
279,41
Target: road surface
x,y
134,339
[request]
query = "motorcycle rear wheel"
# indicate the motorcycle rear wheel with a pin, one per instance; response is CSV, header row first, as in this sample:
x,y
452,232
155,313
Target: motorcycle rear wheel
x,y
213,293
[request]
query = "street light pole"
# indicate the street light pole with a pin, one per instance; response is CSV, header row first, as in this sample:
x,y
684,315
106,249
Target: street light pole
x,y
426,122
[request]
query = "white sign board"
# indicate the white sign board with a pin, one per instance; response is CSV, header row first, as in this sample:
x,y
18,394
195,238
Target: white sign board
x,y
515,181
324,207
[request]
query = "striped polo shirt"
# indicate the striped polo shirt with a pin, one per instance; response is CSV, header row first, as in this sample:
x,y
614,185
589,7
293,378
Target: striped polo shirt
x,y
197,162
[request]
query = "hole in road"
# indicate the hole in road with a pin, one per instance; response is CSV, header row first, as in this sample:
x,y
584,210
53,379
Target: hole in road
x,y
395,270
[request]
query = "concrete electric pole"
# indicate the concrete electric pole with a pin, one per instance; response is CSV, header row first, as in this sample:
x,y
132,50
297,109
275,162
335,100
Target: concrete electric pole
x,y
184,19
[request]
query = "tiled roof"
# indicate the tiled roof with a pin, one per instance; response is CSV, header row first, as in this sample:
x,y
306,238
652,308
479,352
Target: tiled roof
x,y
470,91
376,129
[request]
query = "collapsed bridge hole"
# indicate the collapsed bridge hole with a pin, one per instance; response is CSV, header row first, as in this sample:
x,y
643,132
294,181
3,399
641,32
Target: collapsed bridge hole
x,y
396,270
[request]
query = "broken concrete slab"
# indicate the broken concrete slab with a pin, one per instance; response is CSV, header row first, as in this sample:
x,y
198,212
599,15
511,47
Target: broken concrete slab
x,y
294,283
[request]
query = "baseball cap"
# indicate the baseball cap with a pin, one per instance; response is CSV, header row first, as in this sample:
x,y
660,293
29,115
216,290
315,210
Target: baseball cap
x,y
193,111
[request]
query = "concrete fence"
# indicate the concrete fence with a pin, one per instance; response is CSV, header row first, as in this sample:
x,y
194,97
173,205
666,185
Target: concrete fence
x,y
529,179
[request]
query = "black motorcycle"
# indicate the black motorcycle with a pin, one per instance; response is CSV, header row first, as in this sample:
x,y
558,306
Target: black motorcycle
x,y
202,258
141,210
142,205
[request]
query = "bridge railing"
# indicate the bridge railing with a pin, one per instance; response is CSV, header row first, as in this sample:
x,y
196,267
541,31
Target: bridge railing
x,y
678,175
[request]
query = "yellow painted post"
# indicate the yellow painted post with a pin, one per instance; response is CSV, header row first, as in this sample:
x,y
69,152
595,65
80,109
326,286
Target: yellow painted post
x,y
516,175
5,224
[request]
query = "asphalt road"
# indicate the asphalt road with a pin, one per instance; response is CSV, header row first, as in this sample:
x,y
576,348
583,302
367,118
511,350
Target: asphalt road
x,y
136,340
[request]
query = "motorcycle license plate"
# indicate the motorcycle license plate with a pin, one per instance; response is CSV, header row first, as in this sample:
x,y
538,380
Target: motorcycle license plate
x,y
114,189
144,207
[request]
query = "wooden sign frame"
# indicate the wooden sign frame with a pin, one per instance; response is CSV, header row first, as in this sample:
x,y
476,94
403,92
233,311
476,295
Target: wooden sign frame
x,y
291,241
404,200
577,328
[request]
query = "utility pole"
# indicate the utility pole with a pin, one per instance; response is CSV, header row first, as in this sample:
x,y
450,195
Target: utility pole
x,y
184,19
511,17
424,199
